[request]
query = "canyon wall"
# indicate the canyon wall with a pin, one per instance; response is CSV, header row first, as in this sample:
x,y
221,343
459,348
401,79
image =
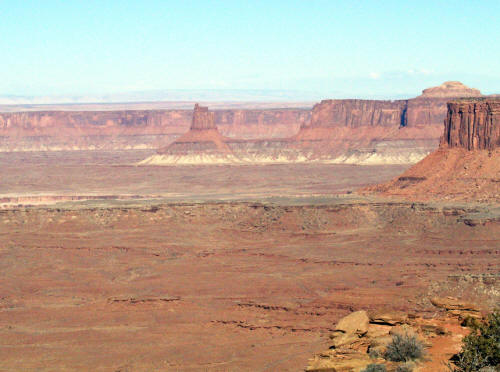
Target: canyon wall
x,y
466,166
372,131
473,124
134,129
340,130
354,113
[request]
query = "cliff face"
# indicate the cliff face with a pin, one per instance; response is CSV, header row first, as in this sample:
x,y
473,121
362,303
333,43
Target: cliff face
x,y
118,130
467,164
342,130
372,131
259,124
427,109
202,143
202,119
354,113
473,125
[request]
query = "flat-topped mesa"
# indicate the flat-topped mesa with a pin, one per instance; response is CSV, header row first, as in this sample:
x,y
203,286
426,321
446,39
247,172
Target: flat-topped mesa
x,y
202,118
354,113
450,89
472,124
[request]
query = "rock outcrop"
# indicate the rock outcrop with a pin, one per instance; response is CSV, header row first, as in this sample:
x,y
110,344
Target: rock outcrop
x,y
354,113
348,131
378,131
339,131
467,164
202,119
135,129
203,143
451,89
473,125
372,131
360,339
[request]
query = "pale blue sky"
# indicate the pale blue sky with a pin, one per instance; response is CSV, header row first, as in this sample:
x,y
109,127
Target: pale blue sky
x,y
329,47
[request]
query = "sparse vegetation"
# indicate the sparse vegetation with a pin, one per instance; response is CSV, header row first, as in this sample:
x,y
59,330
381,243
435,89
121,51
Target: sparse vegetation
x,y
404,348
481,348
374,354
407,367
375,368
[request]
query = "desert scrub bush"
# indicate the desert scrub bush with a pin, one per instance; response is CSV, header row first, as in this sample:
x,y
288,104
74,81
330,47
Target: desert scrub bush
x,y
407,367
375,368
404,348
374,354
481,348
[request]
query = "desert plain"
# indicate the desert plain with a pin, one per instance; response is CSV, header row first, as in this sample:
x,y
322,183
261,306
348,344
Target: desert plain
x,y
110,266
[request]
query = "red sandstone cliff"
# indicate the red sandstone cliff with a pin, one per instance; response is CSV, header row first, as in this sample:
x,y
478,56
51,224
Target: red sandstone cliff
x,y
68,130
354,113
203,135
473,125
467,164
375,131
372,131
350,130
204,144
202,119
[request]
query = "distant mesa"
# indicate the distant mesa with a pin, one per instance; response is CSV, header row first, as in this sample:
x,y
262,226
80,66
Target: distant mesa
x,y
450,89
348,131
466,165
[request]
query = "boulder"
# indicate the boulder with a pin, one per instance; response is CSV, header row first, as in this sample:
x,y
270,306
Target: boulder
x,y
378,330
349,329
391,318
452,303
354,323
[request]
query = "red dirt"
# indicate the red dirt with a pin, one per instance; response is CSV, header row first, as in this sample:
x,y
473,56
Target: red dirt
x,y
449,174
151,285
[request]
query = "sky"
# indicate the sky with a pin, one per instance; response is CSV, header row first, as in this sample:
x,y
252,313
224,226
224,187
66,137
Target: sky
x,y
297,48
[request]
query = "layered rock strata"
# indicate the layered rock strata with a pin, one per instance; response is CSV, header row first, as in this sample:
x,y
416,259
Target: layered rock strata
x,y
134,129
467,164
347,131
378,131
203,143
335,131
473,125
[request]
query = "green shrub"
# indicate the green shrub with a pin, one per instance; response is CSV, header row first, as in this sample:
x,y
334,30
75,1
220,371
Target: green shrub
x,y
375,368
404,348
481,348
